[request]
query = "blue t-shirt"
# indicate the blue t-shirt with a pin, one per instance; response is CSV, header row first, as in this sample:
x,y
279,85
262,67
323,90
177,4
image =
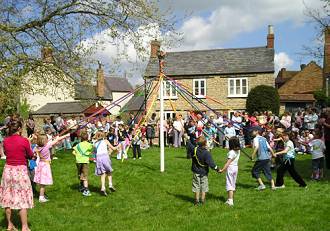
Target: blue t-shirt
x,y
260,143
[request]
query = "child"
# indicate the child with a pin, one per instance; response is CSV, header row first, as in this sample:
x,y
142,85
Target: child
x,y
43,172
170,135
82,151
122,142
317,147
288,163
262,148
210,135
33,162
103,166
232,169
201,162
136,144
241,138
229,132
144,143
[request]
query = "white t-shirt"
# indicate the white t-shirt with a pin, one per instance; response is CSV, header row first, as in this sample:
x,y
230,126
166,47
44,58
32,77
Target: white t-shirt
x,y
234,155
101,147
317,148
230,132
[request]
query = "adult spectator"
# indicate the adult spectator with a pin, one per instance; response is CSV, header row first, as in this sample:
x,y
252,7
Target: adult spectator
x,y
30,125
15,189
151,126
178,126
286,120
326,126
237,121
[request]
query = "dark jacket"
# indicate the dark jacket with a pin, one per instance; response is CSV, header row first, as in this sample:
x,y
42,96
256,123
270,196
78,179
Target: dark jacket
x,y
202,161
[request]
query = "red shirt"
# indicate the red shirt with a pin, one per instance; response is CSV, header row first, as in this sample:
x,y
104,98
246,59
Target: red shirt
x,y
17,150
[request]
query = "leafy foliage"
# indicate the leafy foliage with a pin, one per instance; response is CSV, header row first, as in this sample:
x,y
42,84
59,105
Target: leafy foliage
x,y
263,98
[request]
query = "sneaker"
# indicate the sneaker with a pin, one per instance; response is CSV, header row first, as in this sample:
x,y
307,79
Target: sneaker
x,y
229,203
261,187
112,189
273,188
104,193
55,158
279,187
134,158
140,158
196,203
86,193
43,200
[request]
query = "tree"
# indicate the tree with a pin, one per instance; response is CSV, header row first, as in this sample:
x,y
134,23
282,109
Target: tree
x,y
320,18
263,98
62,26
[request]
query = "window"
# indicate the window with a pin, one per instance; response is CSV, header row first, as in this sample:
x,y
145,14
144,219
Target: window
x,y
169,115
238,87
199,88
169,90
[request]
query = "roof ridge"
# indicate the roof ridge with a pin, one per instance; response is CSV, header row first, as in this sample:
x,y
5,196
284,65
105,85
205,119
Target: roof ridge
x,y
216,49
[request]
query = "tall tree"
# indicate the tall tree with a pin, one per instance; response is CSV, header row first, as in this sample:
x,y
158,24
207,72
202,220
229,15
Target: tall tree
x,y
61,27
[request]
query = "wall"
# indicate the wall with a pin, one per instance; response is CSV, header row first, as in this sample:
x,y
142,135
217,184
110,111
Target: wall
x,y
46,90
217,88
116,96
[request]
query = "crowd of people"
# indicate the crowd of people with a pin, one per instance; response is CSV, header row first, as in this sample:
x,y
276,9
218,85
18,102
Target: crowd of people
x,y
275,142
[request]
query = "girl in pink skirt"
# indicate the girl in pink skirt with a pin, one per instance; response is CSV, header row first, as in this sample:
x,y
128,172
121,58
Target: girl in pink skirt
x,y
232,168
43,172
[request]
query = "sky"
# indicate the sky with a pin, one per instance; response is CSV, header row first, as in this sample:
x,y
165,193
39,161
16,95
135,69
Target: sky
x,y
209,24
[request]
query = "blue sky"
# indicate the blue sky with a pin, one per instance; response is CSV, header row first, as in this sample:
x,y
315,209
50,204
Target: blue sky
x,y
233,23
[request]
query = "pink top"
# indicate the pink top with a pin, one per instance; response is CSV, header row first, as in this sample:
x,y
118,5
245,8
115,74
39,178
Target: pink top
x,y
45,152
17,150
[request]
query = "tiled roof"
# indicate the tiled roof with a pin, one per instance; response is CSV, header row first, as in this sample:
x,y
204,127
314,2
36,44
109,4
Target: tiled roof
x,y
307,80
216,61
112,84
134,104
297,98
75,107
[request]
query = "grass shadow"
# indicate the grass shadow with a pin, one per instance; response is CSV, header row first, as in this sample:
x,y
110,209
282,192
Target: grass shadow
x,y
181,197
211,196
144,166
245,186
15,219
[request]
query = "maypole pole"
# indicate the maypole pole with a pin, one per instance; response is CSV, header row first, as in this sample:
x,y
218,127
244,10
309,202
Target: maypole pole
x,y
161,56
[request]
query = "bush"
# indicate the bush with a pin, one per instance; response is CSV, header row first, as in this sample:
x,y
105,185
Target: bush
x,y
263,98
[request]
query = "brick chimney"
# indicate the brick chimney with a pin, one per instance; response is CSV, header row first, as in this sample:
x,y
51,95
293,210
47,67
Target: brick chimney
x,y
100,82
155,47
282,72
47,54
270,37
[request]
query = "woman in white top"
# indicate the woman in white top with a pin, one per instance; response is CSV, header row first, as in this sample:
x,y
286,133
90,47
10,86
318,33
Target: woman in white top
x,y
178,131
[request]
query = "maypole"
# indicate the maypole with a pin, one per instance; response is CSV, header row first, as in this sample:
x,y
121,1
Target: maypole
x,y
161,56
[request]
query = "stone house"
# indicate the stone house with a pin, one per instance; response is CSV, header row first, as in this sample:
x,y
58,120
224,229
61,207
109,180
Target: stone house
x,y
226,75
44,93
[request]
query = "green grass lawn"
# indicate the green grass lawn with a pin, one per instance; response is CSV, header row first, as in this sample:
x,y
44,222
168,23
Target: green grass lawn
x,y
149,200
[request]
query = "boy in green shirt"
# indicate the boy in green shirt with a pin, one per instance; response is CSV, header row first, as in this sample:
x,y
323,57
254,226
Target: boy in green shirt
x,y
82,151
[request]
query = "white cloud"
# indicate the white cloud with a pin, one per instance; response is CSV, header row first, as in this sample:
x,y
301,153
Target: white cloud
x,y
232,17
211,25
282,60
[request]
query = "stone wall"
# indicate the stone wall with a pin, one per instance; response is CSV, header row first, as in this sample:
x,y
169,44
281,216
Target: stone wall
x,y
217,88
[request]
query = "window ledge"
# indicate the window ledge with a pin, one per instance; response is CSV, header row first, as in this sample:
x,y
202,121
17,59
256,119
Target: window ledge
x,y
199,96
237,96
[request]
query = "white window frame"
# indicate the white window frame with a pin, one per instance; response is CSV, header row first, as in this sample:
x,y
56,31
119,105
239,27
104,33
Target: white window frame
x,y
171,114
199,95
241,80
171,96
